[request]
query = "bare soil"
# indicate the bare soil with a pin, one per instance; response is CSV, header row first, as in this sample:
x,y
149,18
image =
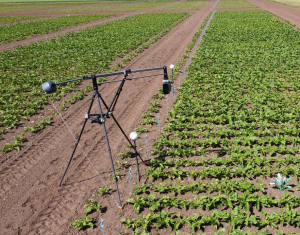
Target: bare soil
x,y
31,202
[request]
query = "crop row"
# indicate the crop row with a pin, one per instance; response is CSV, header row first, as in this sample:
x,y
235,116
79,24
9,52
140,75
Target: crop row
x,y
70,56
14,7
227,4
236,118
11,19
137,7
189,5
233,160
245,201
236,219
98,7
248,171
19,31
223,186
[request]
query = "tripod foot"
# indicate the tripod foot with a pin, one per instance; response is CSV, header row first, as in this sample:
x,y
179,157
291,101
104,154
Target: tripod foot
x,y
121,207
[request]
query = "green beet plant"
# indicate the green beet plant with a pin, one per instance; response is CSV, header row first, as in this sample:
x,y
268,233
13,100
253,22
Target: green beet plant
x,y
281,183
91,206
82,223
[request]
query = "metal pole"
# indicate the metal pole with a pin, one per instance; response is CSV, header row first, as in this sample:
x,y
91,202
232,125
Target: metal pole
x,y
130,179
174,89
102,225
107,141
137,162
147,146
158,121
167,104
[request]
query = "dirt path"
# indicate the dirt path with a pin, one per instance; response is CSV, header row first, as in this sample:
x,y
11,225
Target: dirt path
x,y
30,200
291,14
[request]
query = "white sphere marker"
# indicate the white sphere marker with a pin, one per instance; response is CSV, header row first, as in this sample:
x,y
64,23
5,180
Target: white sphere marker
x,y
172,66
133,136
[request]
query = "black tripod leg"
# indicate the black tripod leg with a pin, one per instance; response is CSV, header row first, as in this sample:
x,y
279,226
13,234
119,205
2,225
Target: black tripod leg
x,y
118,124
122,131
108,146
115,99
77,142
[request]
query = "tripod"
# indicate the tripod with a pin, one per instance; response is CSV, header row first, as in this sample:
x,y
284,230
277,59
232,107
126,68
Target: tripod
x,y
100,119
50,87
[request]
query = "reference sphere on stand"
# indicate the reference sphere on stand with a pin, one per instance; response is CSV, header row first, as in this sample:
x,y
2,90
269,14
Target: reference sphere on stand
x,y
133,136
172,66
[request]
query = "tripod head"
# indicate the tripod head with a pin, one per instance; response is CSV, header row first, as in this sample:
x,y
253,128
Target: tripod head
x,y
50,87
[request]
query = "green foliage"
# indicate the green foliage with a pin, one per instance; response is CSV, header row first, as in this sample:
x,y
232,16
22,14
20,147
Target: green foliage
x,y
188,5
17,5
91,206
158,96
141,129
14,145
104,190
124,164
12,19
118,175
233,123
154,104
94,7
19,31
125,154
83,222
39,126
78,96
149,121
281,183
137,7
228,4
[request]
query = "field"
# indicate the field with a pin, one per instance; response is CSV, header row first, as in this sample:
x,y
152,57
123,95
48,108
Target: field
x,y
22,30
15,19
12,7
293,3
189,5
211,148
91,8
228,4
